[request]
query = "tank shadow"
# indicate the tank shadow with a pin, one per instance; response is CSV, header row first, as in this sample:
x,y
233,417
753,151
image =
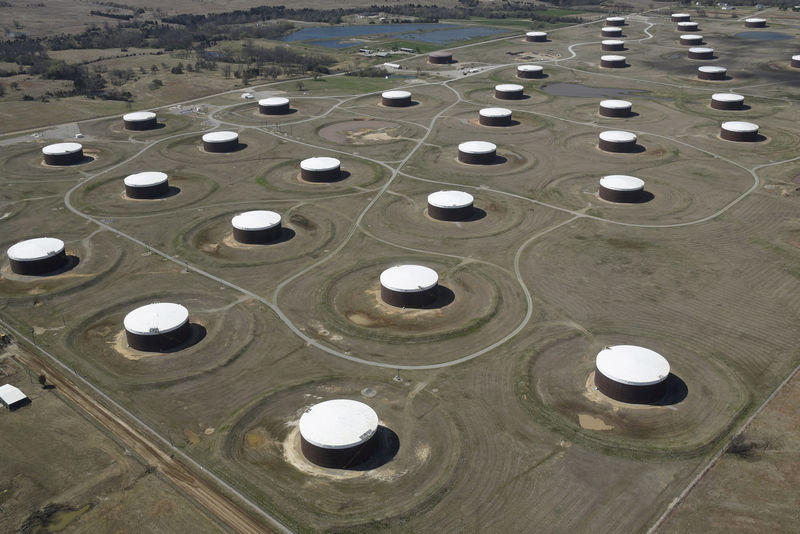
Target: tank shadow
x,y
197,333
388,445
444,297
71,263
677,391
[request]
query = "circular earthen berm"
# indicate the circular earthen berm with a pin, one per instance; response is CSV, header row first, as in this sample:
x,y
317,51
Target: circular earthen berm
x,y
617,141
320,169
256,227
396,99
219,142
615,108
681,17
339,433
621,188
701,53
450,205
627,373
739,131
711,72
440,58
536,37
409,286
274,105
612,62
146,185
477,152
157,327
140,120
728,101
508,91
688,27
611,31
530,71
63,153
755,22
691,40
612,45
494,117
37,256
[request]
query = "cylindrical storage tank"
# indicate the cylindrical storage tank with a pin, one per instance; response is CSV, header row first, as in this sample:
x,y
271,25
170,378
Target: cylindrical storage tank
x,y
146,185
739,131
320,169
339,433
688,27
494,116
611,31
628,373
681,17
221,141
621,188
691,40
536,37
477,152
140,120
615,21
615,108
796,61
157,327
440,58
256,227
508,91
711,72
63,154
450,205
396,99
701,53
729,101
755,22
275,105
37,256
612,45
409,286
530,71
612,62
617,141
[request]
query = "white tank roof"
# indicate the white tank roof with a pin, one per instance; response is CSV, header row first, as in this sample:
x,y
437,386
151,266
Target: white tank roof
x,y
615,19
687,24
618,136
220,137
701,50
712,68
621,182
409,278
477,147
530,68
796,58
156,318
273,101
612,58
508,87
256,220
692,37
35,249
338,424
535,34
396,95
611,29
681,15
615,104
60,149
632,365
139,116
450,199
495,112
320,164
612,42
740,126
755,19
727,97
145,179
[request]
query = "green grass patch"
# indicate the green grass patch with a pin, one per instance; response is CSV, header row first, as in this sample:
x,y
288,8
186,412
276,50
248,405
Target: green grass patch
x,y
510,23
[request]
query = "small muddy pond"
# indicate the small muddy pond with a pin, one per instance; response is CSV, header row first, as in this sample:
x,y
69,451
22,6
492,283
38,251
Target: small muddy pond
x,y
360,132
584,91
763,36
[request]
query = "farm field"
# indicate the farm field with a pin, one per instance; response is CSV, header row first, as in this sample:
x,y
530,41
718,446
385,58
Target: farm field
x,y
488,393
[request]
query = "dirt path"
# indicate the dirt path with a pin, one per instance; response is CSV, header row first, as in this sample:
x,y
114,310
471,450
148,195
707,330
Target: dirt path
x,y
206,494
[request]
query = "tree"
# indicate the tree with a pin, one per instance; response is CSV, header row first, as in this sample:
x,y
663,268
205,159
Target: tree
x,y
156,84
301,86
43,379
226,71
153,68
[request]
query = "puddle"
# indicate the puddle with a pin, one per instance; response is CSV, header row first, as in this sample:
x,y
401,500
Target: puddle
x,y
763,36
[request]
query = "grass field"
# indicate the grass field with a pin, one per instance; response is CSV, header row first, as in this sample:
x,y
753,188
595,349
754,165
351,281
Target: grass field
x,y
489,392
